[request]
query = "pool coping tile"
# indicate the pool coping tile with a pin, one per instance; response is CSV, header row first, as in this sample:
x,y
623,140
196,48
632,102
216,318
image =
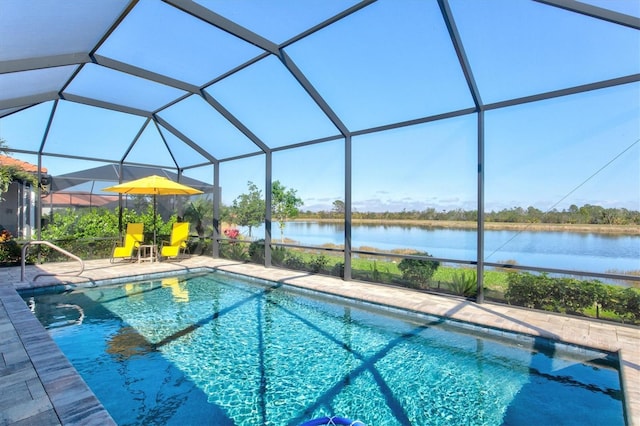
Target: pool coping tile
x,y
57,393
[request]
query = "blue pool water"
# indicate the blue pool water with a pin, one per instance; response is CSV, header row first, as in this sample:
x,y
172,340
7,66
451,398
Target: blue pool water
x,y
219,349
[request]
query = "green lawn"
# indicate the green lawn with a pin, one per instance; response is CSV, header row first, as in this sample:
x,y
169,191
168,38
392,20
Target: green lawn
x,y
387,270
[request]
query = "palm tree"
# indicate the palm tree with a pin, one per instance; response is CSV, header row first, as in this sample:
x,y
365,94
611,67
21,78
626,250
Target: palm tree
x,y
198,212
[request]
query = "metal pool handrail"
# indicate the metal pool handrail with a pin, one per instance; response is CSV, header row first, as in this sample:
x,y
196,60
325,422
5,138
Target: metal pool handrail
x,y
53,246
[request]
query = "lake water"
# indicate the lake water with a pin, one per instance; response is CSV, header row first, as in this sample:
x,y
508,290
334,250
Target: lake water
x,y
562,250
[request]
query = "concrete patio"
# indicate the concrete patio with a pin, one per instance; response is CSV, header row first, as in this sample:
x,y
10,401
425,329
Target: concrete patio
x,y
38,385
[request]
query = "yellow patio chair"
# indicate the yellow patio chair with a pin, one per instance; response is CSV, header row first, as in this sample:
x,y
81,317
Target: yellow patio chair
x,y
178,243
133,238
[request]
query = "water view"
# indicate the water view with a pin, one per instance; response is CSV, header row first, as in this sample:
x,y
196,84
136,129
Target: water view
x,y
563,250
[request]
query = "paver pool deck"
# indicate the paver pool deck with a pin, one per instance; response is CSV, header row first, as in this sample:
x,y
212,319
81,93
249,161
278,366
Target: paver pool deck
x,y
38,385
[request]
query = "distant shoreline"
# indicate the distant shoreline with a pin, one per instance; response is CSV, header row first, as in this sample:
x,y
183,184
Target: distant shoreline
x,y
494,226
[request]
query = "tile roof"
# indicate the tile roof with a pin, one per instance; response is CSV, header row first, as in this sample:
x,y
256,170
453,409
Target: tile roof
x,y
78,199
27,167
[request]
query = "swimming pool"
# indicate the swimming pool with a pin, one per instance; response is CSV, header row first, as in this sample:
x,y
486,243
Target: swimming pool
x,y
225,350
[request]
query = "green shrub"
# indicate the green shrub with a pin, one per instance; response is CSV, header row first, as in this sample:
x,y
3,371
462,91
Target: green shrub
x,y
418,272
9,249
527,290
233,250
200,246
465,283
571,295
102,223
318,263
375,274
625,302
278,255
256,251
293,261
631,301
338,270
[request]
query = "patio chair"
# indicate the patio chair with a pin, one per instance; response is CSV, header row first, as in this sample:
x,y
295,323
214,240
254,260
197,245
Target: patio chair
x,y
132,240
178,243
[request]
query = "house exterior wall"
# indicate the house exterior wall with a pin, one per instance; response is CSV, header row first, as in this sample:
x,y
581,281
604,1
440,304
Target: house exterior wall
x,y
9,209
17,210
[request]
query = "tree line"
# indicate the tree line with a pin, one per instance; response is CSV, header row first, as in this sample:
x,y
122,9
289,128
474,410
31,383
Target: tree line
x,y
248,210
584,215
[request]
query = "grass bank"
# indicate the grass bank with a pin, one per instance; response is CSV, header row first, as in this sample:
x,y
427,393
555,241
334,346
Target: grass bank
x,y
494,278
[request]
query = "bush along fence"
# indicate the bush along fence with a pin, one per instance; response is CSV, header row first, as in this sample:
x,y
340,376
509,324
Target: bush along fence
x,y
86,248
592,299
573,296
9,249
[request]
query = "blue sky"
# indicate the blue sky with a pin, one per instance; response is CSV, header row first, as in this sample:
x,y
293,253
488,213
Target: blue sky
x,y
547,154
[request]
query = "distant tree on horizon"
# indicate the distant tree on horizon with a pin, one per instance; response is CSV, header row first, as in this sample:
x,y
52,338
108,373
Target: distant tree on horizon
x,y
338,207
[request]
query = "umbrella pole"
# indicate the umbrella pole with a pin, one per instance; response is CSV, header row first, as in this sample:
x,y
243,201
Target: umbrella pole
x,y
154,219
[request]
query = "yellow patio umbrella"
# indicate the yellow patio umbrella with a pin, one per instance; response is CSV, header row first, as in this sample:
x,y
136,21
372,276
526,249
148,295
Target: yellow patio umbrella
x,y
153,185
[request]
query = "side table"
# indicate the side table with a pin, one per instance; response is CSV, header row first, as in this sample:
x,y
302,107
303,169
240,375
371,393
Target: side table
x,y
147,253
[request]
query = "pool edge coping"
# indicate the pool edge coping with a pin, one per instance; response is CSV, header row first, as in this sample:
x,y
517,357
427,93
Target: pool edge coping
x,y
53,369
